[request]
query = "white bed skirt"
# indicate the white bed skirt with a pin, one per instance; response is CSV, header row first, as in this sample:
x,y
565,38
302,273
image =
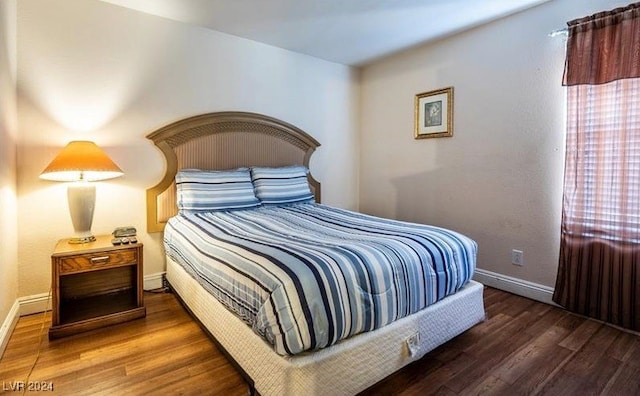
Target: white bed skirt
x,y
345,368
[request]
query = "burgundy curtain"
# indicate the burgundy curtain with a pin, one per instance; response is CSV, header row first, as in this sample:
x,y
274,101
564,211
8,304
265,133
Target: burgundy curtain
x,y
599,268
604,47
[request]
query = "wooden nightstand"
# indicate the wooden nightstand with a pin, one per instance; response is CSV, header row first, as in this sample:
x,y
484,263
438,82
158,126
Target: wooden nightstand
x,y
95,284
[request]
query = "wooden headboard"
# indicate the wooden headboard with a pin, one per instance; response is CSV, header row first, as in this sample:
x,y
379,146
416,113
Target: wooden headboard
x,y
224,140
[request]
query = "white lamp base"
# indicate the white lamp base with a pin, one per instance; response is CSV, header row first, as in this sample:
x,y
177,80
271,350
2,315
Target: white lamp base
x,y
82,199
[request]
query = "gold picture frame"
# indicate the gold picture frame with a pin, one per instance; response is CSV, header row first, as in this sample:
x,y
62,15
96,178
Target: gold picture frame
x,y
434,114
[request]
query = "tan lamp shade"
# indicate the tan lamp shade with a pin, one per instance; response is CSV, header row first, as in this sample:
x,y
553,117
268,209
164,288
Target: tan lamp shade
x,y
81,160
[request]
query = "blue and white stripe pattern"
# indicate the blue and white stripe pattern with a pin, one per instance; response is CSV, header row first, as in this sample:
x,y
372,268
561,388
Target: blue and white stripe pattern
x,y
200,190
305,276
276,186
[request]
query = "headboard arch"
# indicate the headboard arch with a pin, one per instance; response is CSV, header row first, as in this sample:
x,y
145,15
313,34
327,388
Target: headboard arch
x,y
223,140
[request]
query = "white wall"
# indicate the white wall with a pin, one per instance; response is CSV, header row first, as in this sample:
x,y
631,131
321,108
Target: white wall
x,y
8,131
92,70
499,178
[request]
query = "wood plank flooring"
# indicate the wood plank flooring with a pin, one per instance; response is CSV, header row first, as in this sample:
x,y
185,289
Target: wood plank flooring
x,y
523,348
165,353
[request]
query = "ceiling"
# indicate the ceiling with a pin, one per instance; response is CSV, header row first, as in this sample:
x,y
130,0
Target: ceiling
x,y
351,32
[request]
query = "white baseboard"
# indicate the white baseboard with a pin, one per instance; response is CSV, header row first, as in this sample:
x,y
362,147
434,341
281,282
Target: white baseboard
x,y
153,281
8,325
517,286
34,304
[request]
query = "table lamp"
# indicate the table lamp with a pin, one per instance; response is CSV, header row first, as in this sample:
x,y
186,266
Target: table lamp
x,y
81,162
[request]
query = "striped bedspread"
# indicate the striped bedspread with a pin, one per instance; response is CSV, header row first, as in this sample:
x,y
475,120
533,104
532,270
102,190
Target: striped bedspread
x,y
306,276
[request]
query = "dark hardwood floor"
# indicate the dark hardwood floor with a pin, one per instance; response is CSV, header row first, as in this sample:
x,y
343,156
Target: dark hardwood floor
x,y
523,348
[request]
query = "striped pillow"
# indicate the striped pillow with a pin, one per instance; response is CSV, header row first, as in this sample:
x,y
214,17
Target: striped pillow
x,y
284,185
205,191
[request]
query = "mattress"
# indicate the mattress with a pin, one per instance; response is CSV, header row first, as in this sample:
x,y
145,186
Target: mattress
x,y
306,276
346,368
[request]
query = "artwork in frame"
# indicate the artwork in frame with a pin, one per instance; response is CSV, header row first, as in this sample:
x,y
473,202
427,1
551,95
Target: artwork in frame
x,y
434,114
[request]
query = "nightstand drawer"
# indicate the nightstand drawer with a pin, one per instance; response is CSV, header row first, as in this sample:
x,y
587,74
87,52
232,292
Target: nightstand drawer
x,y
97,261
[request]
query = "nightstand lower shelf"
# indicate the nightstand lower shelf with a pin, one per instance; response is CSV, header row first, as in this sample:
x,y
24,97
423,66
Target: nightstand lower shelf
x,y
95,323
78,309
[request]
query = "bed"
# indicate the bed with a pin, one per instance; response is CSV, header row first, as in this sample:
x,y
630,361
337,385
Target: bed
x,y
288,363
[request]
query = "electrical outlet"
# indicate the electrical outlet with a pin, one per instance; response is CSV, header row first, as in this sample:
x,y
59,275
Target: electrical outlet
x,y
517,257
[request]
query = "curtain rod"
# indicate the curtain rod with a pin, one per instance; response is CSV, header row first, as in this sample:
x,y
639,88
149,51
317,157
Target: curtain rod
x,y
559,32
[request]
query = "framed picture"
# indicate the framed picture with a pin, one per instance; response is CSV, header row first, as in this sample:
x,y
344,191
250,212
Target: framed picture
x,y
434,114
